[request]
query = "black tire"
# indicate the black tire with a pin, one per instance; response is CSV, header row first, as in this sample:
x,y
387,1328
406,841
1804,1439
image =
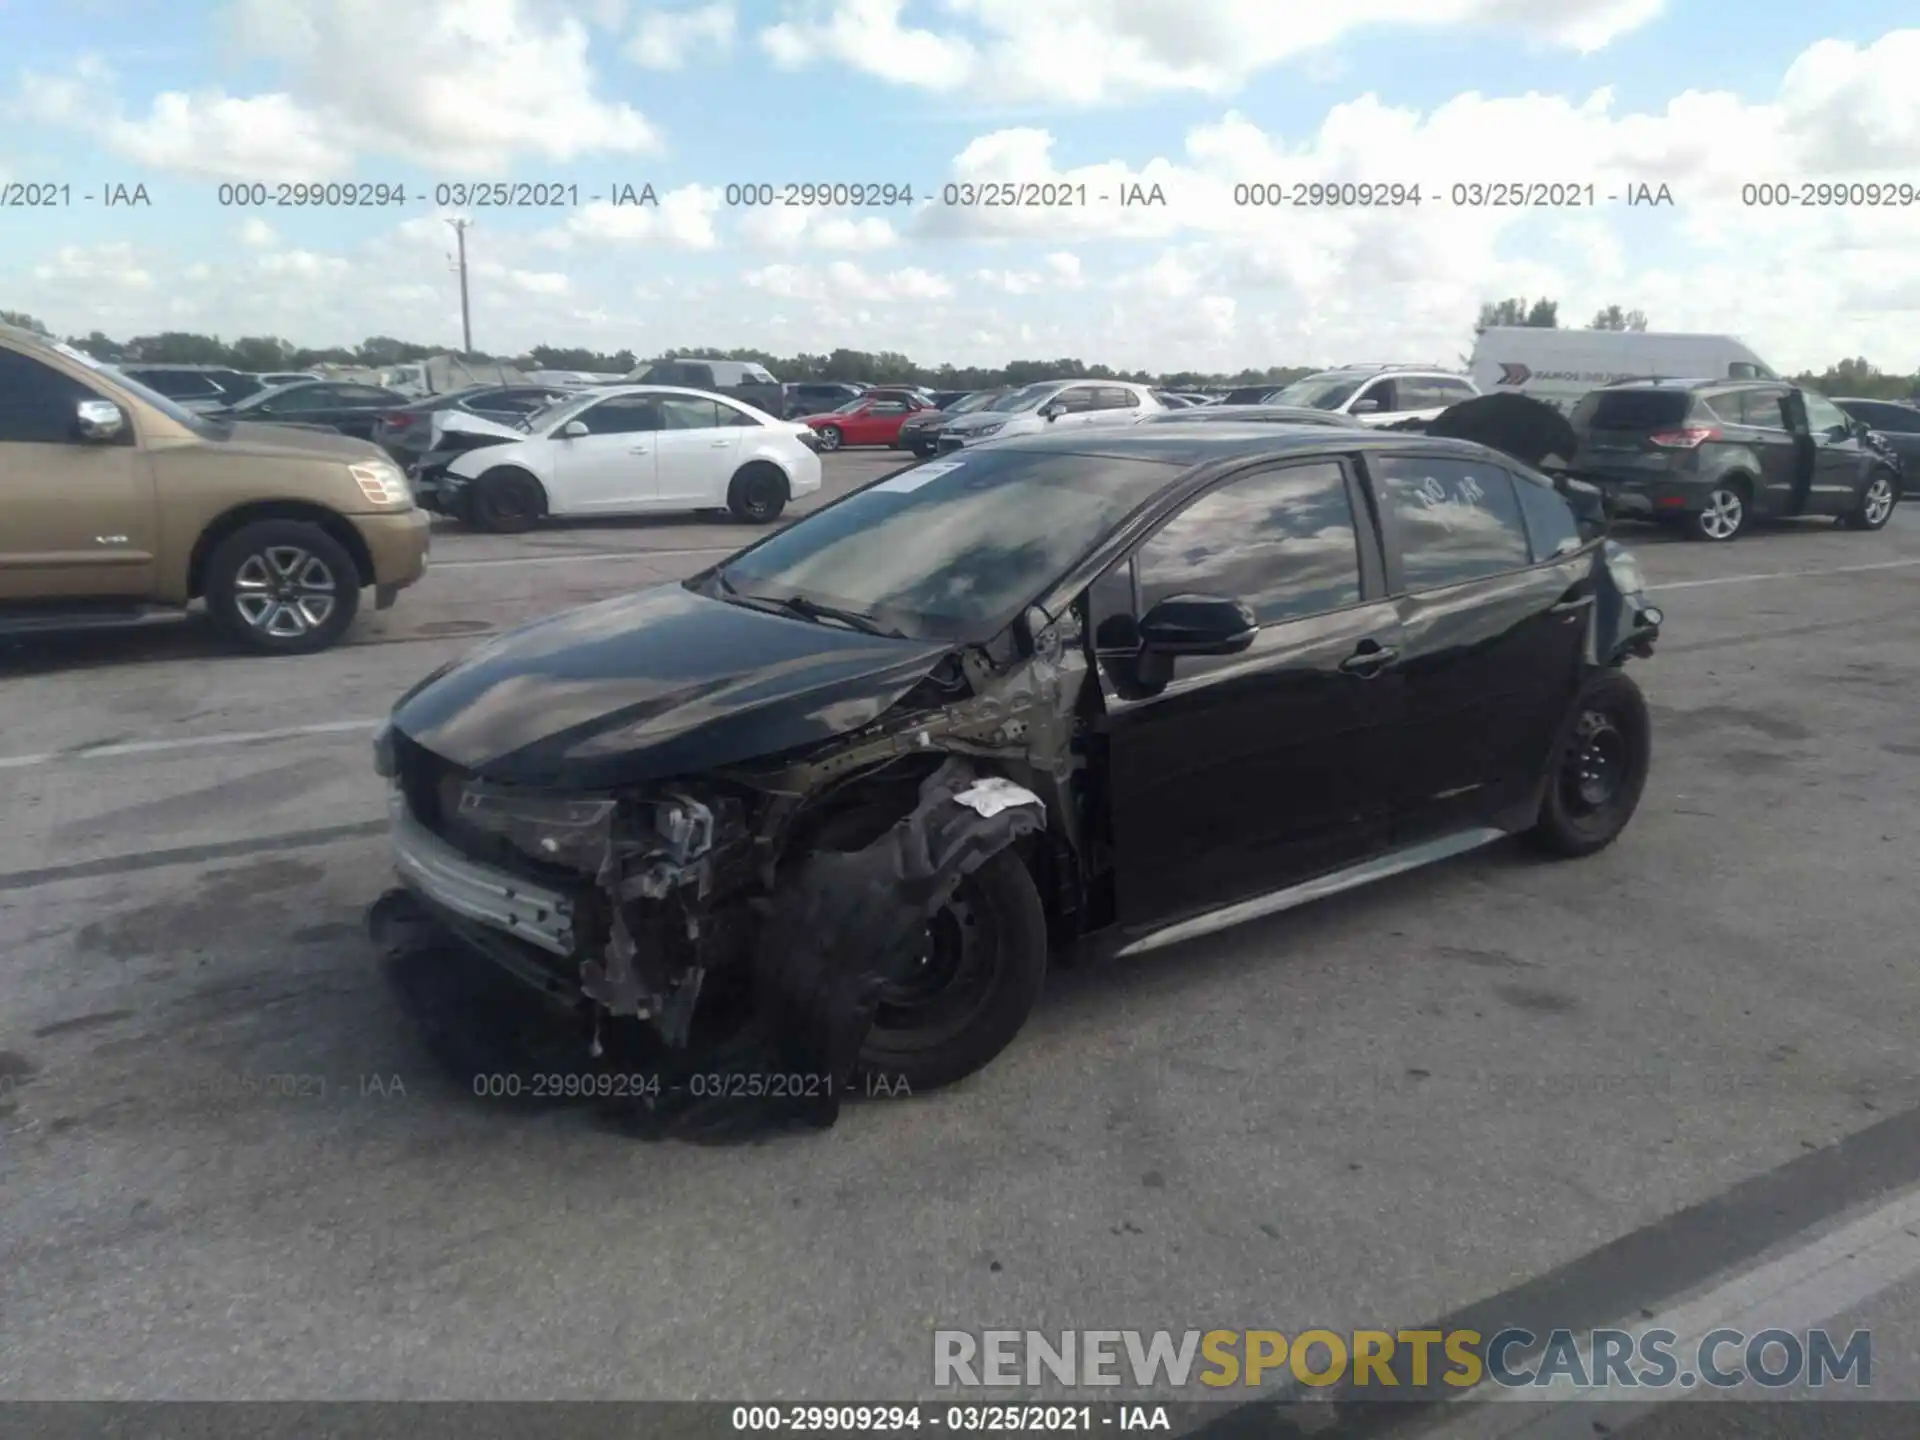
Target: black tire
x,y
1728,510
506,502
997,907
1879,497
830,437
758,494
282,587
1599,768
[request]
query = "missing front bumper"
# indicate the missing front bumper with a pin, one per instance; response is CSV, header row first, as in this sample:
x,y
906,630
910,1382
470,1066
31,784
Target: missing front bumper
x,y
480,893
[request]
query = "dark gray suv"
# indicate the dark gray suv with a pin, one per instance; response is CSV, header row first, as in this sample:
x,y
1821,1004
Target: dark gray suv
x,y
1714,456
1897,424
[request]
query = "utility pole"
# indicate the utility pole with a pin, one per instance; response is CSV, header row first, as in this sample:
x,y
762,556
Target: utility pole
x,y
466,315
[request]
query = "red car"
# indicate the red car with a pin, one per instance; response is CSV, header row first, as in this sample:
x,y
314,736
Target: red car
x,y
870,420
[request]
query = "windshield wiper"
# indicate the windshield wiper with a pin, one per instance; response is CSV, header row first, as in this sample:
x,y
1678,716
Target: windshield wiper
x,y
807,609
813,610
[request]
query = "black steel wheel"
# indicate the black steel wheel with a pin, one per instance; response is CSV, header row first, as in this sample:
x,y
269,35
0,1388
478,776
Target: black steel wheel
x,y
507,502
969,988
1600,768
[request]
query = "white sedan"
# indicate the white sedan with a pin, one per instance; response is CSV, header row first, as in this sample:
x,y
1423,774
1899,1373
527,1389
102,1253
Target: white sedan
x,y
617,450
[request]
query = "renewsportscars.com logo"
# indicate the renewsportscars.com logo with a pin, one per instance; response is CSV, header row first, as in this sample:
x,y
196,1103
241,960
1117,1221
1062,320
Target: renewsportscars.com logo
x,y
1378,1363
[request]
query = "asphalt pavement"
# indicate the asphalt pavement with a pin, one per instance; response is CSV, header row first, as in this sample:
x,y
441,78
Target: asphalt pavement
x,y
231,1170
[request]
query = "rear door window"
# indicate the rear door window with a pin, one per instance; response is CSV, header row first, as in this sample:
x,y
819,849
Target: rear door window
x,y
1455,520
1552,527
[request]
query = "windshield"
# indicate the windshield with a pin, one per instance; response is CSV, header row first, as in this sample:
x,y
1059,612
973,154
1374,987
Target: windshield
x,y
849,405
967,404
1318,393
1028,397
951,550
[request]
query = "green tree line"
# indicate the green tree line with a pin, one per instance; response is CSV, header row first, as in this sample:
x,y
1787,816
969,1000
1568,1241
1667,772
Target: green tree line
x,y
259,353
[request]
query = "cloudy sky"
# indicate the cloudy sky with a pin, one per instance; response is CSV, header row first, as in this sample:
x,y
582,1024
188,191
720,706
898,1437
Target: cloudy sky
x,y
1199,98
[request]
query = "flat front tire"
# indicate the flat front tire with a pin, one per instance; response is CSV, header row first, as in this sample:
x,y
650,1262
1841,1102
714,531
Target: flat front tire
x,y
1599,768
971,988
282,587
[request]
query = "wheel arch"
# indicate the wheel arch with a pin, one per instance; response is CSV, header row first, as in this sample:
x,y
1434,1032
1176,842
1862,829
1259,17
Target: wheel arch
x,y
229,522
521,469
855,809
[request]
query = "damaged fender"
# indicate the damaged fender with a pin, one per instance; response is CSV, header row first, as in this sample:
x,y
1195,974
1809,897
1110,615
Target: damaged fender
x,y
836,927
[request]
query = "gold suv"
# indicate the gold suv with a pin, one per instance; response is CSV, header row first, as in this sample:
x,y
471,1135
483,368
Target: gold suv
x,y
116,503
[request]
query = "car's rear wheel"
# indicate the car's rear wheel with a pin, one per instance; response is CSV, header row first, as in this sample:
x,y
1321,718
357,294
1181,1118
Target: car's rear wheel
x,y
971,986
282,587
758,494
1724,516
1876,502
830,437
1599,770
507,502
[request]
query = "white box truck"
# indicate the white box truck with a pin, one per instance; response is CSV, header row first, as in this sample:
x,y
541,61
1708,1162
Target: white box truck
x,y
1560,366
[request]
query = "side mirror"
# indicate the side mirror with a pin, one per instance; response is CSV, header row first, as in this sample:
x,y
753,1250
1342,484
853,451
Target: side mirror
x,y
1197,625
99,420
574,429
1364,407
1052,410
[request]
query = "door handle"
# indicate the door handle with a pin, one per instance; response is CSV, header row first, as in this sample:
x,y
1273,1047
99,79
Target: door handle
x,y
1367,663
1572,607
720,444
636,449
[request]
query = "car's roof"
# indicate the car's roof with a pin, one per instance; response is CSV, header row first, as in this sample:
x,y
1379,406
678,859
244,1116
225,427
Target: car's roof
x,y
1258,415
1190,446
1674,382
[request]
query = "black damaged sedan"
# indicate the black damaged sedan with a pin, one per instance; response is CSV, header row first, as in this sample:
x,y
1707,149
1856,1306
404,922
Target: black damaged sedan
x,y
829,807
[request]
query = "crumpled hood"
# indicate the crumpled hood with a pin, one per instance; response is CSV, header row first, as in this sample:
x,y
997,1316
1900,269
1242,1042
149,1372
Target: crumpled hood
x,y
464,423
654,685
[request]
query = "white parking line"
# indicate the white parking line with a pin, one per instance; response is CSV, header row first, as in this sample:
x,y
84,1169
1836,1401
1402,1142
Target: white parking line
x,y
582,558
185,742
1801,1289
1785,575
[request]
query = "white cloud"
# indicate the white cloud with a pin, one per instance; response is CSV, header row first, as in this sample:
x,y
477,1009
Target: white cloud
x,y
683,219
1202,282
666,39
1091,52
844,281
257,233
116,265
464,86
794,227
208,132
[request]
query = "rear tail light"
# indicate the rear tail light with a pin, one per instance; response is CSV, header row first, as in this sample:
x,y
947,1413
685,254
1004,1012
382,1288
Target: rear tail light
x,y
1687,437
